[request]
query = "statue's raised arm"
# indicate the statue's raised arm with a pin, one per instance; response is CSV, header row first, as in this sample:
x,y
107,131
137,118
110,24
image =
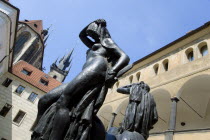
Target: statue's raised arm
x,y
97,30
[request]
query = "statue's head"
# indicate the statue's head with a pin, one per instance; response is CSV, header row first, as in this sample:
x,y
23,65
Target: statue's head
x,y
144,86
97,30
147,88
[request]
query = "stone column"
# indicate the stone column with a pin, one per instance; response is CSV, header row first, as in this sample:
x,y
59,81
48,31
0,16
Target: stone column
x,y
172,122
112,120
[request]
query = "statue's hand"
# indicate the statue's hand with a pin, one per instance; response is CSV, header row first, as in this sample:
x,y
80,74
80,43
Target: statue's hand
x,y
101,21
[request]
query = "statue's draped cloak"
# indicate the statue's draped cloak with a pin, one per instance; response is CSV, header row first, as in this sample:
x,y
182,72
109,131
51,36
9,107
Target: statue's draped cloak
x,y
141,113
81,114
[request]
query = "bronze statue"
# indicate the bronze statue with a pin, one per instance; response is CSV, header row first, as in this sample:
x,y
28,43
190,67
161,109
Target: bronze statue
x,y
140,115
69,111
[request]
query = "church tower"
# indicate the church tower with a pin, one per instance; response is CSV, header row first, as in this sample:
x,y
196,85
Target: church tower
x,y
60,71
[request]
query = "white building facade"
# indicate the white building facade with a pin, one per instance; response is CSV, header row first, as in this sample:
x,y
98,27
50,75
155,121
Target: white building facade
x,y
8,22
20,91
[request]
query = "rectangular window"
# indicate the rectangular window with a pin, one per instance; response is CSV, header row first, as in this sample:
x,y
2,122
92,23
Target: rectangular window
x,y
20,89
24,71
5,109
19,117
42,81
32,97
7,82
33,126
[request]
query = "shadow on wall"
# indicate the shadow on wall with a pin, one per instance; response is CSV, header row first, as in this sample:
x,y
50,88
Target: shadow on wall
x,y
193,110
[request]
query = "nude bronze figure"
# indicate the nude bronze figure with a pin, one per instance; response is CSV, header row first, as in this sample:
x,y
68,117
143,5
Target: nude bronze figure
x,y
69,111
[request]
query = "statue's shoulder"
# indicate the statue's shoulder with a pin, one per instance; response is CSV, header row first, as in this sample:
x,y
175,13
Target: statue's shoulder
x,y
108,43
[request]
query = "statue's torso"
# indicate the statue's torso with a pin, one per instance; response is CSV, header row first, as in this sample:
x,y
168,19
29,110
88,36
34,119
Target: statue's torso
x,y
96,57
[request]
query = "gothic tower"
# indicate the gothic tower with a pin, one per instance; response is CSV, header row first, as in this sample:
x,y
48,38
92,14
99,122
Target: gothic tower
x,y
59,71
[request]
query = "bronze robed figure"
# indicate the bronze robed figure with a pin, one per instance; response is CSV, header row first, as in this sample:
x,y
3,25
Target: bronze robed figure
x,y
140,115
68,112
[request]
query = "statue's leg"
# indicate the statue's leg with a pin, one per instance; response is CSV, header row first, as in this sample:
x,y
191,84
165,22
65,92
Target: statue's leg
x,y
73,91
48,99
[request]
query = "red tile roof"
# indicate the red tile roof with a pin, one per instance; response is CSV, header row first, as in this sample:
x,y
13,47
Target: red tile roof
x,y
35,76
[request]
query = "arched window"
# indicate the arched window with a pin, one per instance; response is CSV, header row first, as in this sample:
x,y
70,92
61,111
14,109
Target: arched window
x,y
21,40
138,76
156,67
131,79
204,50
189,54
165,64
30,54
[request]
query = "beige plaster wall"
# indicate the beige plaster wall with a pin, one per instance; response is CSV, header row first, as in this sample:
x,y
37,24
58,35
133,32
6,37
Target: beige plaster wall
x,y
167,84
193,136
157,137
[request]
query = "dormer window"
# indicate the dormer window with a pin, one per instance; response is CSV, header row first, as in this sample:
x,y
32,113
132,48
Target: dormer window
x,y
26,72
44,82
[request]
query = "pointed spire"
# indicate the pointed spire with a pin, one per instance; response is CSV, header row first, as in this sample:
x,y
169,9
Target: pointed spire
x,y
49,27
61,59
69,69
65,61
46,38
68,56
56,61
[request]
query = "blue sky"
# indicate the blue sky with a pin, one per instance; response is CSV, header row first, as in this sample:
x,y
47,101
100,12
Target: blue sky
x,y
139,27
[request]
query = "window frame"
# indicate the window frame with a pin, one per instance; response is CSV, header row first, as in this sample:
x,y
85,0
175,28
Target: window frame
x,y
27,72
21,92
44,82
166,61
205,50
18,124
7,112
10,81
138,76
131,79
156,69
34,99
188,52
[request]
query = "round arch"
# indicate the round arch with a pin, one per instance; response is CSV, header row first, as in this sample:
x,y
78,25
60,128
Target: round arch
x,y
105,114
163,102
120,111
192,109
